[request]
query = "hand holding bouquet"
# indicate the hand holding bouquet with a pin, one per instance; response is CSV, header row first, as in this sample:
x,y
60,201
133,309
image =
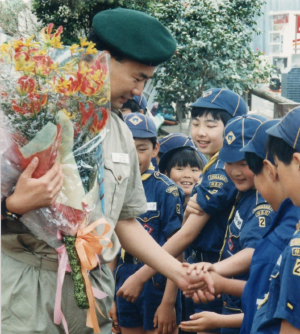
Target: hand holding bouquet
x,y
55,105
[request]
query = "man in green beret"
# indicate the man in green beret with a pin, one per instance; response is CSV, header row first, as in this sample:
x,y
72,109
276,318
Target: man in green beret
x,y
137,44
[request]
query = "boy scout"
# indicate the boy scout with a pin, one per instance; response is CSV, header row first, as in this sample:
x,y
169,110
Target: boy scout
x,y
267,250
215,191
29,266
279,311
162,219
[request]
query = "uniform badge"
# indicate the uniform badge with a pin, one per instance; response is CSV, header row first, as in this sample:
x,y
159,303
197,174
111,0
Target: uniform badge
x,y
230,244
262,221
298,226
178,209
135,120
148,228
296,270
295,242
173,190
230,138
296,251
207,93
213,192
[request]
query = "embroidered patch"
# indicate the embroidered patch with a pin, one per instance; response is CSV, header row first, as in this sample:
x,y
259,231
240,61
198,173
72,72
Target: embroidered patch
x,y
148,228
295,242
296,270
173,190
230,244
298,226
218,177
262,213
262,221
178,209
262,207
207,93
296,251
216,184
230,138
207,197
135,120
238,221
213,192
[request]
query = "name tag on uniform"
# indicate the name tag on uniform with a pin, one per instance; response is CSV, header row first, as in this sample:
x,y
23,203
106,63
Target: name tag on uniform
x,y
120,157
151,206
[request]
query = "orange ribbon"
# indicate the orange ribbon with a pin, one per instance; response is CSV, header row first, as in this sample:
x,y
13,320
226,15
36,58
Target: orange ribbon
x,y
88,248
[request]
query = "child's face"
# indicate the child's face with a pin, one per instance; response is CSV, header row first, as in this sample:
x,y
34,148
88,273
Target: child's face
x,y
240,175
289,178
145,152
207,134
185,177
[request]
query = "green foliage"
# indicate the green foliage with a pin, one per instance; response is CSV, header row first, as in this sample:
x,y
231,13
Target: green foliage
x,y
213,48
76,15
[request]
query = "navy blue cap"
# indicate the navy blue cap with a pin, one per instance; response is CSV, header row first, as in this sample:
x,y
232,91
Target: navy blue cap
x,y
258,144
141,101
238,132
221,98
163,162
288,129
173,140
140,125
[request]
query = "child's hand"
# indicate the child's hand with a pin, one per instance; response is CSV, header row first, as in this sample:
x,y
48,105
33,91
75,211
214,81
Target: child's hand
x,y
165,318
199,267
131,289
202,297
201,322
32,194
113,315
193,207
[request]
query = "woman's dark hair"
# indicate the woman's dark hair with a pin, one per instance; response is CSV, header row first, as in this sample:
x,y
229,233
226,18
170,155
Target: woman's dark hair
x,y
255,163
217,114
152,139
101,46
184,157
132,105
279,148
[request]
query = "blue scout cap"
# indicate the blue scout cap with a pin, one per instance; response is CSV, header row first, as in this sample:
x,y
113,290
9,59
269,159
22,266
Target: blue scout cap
x,y
141,101
135,35
173,140
288,129
221,98
238,132
140,125
258,144
163,162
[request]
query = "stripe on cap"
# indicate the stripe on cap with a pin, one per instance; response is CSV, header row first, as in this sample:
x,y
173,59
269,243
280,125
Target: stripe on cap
x,y
243,121
295,143
217,95
239,98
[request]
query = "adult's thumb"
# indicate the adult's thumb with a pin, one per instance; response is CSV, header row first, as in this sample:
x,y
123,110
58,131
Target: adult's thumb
x,y
31,167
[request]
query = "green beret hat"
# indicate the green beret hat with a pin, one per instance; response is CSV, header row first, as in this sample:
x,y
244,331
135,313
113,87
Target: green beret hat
x,y
134,34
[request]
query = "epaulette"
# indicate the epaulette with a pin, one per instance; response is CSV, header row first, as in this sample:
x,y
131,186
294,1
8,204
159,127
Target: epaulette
x,y
163,178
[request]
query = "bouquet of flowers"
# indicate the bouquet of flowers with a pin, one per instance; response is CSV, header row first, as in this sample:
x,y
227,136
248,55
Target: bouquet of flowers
x,y
55,105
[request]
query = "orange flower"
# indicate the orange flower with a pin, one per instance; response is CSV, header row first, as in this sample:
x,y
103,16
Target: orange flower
x,y
98,125
66,87
26,85
43,64
34,105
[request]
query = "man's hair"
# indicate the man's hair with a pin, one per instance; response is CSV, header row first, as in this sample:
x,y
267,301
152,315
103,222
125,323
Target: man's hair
x,y
152,139
255,163
132,105
184,157
217,114
277,147
102,46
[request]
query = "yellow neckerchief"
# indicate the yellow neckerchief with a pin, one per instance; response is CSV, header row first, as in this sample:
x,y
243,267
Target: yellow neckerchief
x,y
148,172
210,162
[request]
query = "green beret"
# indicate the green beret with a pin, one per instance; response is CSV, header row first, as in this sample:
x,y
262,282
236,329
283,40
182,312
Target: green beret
x,y
134,34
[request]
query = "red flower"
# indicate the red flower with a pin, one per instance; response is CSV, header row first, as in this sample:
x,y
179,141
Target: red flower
x,y
26,84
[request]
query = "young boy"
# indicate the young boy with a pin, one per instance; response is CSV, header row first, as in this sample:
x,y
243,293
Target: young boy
x,y
215,191
162,219
279,311
268,249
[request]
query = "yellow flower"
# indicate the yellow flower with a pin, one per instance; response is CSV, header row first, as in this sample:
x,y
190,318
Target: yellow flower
x,y
73,48
83,42
91,49
68,114
5,48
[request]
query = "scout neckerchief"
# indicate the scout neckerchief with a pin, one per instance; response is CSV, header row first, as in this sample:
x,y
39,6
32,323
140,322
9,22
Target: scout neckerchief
x,y
212,160
237,199
148,172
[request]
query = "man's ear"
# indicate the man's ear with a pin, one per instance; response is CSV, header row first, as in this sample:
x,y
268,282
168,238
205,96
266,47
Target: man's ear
x,y
271,170
101,56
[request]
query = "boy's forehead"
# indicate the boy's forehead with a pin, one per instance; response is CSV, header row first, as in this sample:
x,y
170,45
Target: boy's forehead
x,y
206,117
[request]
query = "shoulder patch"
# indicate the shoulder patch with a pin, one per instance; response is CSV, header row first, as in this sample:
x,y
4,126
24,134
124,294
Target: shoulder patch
x,y
296,270
262,221
199,181
237,220
296,251
262,207
295,242
219,177
178,209
216,184
173,190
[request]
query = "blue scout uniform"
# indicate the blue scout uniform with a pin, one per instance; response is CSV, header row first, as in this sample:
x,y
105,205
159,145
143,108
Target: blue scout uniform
x,y
250,219
283,300
264,259
163,218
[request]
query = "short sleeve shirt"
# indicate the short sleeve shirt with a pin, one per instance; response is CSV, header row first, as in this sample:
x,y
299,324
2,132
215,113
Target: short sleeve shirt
x,y
283,299
215,195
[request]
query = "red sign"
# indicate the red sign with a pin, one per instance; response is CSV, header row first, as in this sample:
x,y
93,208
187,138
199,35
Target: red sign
x,y
281,19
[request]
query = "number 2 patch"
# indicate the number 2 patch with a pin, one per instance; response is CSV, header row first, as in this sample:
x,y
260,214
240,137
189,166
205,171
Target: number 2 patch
x,y
262,221
296,270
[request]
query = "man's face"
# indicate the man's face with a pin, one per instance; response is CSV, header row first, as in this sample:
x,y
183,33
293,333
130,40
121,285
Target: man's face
x,y
127,79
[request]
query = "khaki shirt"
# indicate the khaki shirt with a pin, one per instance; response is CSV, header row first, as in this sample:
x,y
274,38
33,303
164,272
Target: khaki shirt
x,y
124,198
